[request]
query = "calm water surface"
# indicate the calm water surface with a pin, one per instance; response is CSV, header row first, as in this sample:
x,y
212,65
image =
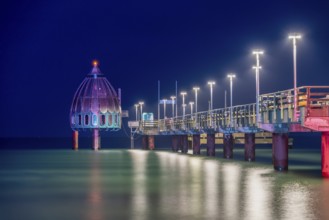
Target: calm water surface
x,y
135,184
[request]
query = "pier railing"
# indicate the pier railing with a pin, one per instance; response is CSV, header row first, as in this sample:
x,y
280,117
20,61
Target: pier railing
x,y
278,107
275,109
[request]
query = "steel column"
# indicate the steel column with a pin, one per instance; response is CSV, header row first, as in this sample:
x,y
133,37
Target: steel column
x,y
75,140
151,144
249,147
280,151
96,139
325,154
144,142
184,144
175,139
180,142
196,144
228,146
211,150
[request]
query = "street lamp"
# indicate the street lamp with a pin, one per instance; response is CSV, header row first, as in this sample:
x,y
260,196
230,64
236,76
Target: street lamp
x,y
231,76
183,94
136,108
141,105
191,104
257,68
294,38
184,107
173,105
211,83
164,108
196,98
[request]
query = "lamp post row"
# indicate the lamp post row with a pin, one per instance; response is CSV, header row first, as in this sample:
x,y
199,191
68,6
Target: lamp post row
x,y
257,53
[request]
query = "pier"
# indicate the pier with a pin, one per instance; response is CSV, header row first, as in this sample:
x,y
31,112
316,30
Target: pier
x,y
274,112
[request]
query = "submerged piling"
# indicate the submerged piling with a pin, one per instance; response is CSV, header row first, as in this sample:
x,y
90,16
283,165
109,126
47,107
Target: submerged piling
x,y
211,150
196,144
228,146
75,140
249,147
325,154
184,144
151,144
280,151
96,139
174,143
144,142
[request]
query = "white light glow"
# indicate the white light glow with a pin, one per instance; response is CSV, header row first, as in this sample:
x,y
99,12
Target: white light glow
x,y
295,36
257,52
257,67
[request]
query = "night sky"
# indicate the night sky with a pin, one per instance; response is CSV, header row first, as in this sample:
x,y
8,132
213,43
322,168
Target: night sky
x,y
47,47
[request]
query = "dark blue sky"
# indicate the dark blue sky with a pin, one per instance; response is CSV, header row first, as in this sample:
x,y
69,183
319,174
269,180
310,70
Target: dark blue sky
x,y
46,49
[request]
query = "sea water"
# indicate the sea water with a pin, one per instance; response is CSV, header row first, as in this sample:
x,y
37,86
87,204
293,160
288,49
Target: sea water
x,y
137,184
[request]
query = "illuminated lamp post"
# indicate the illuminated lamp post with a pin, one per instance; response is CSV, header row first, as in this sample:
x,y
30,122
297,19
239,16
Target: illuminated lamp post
x,y
141,105
183,94
257,68
164,108
211,83
294,38
173,105
191,104
231,76
136,109
196,98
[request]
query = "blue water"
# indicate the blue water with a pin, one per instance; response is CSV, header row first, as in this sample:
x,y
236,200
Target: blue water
x,y
301,140
136,184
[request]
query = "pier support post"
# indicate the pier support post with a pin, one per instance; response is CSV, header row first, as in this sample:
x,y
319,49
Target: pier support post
x,y
196,144
144,142
228,146
280,151
184,144
151,144
75,140
180,142
249,147
211,150
325,154
96,139
174,146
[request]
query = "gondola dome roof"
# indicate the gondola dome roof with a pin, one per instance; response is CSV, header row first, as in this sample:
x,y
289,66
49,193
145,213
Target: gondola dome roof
x,y
95,94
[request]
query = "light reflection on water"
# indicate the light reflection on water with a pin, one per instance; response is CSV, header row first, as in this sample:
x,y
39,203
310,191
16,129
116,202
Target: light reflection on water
x,y
322,201
227,190
183,185
231,184
139,199
95,198
259,194
297,196
139,184
196,183
211,185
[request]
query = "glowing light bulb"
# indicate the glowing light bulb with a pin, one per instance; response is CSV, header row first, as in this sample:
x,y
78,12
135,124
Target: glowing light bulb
x,y
95,63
